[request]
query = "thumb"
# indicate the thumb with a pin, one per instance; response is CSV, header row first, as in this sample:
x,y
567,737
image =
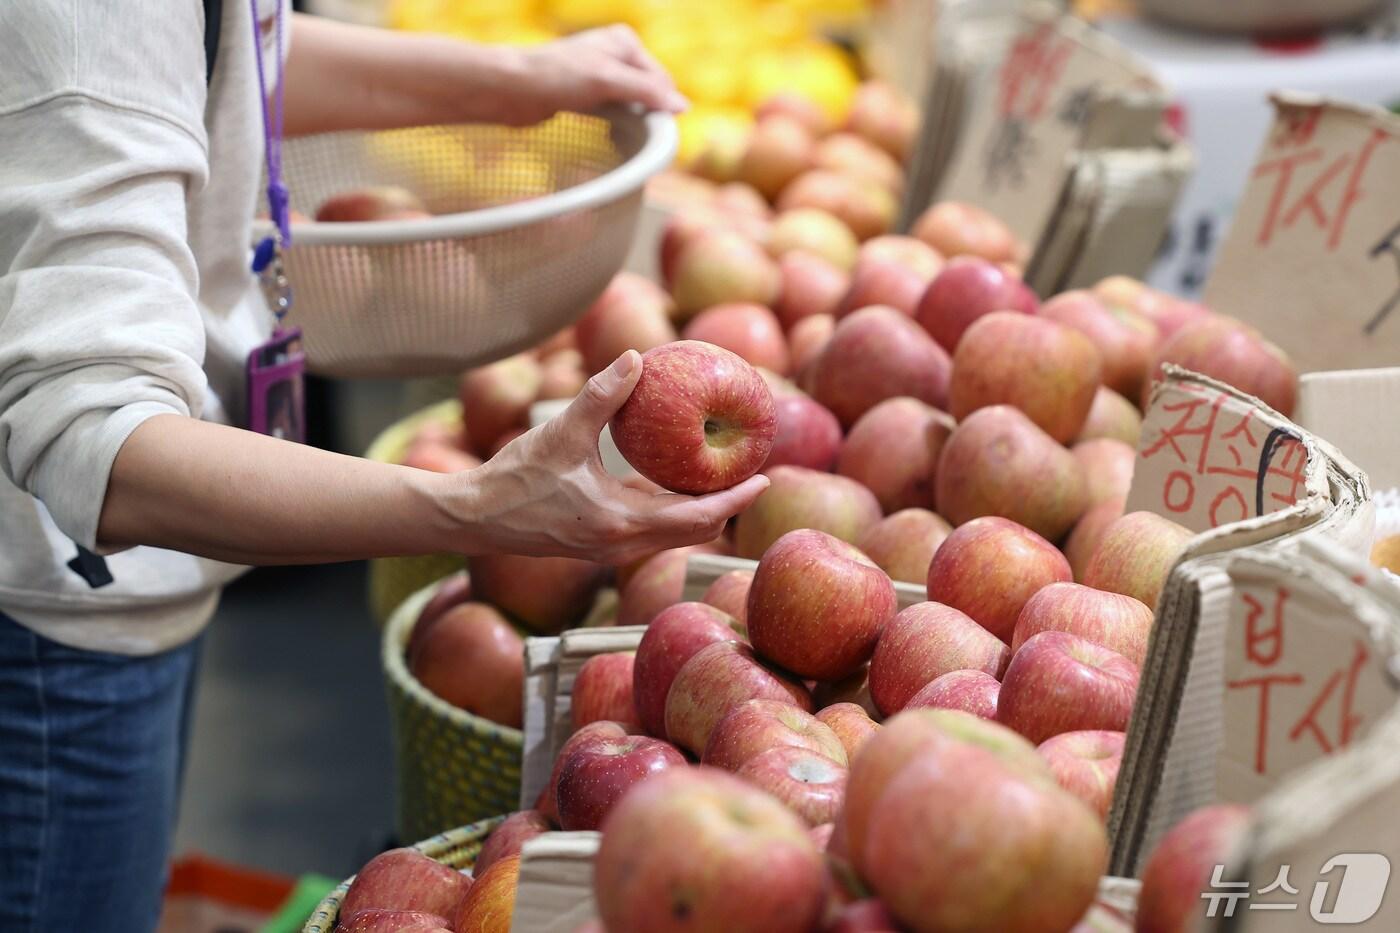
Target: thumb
x,y
604,394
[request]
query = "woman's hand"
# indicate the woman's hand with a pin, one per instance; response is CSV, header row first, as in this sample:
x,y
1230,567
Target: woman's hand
x,y
584,71
547,493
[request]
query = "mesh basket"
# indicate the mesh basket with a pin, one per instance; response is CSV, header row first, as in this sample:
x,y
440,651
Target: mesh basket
x,y
454,767
456,847
531,225
392,580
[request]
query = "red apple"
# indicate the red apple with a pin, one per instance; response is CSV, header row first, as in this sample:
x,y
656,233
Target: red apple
x,y
811,286
964,291
716,679
1180,867
718,266
864,916
1086,764
851,725
806,340
633,313
1058,682
451,591
798,108
876,354
749,331
655,584
854,689
674,636
907,251
1117,622
880,281
755,726
961,841
780,148
594,776
603,690
439,458
496,398
814,231
730,593
741,198
700,419
490,904
854,155
808,435
1135,556
957,229
801,498
562,375
903,544
1047,370
989,567
817,605
972,692
864,206
884,115
718,160
681,230
1125,340
1084,540
590,735
510,837
1112,416
1167,313
545,594
473,659
405,879
1108,468
385,202
997,462
893,451
699,849
1234,353
375,920
924,642
812,785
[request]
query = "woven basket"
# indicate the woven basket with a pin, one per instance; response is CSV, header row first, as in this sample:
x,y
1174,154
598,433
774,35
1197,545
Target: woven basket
x,y
457,848
393,579
454,767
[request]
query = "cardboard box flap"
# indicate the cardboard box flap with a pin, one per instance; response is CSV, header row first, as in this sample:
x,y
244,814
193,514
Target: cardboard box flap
x,y
703,569
1015,153
1313,254
555,890
1358,411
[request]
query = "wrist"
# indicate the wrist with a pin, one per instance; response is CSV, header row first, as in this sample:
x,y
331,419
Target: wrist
x,y
450,511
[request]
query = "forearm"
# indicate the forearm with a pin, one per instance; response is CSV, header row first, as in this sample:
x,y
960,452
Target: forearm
x,y
341,76
241,497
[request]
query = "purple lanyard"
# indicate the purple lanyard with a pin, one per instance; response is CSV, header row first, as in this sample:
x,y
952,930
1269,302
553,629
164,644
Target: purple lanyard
x,y
267,256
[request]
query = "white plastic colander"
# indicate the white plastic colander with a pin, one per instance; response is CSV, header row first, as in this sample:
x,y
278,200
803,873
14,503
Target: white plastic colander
x,y
530,225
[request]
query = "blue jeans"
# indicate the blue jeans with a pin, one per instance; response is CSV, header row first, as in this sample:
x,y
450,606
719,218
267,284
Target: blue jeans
x,y
91,751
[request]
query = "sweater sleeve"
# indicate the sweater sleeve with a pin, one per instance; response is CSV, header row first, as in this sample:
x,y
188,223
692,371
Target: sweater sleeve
x,y
99,326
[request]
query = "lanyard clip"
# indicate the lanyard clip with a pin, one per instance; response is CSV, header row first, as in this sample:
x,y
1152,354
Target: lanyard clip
x,y
272,276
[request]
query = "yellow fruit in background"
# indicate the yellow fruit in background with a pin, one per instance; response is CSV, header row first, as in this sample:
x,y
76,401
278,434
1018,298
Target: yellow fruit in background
x,y
702,123
1386,553
817,69
572,15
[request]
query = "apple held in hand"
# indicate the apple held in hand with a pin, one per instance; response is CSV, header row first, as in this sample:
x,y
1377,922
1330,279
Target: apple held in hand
x,y
964,291
989,567
1112,416
490,904
998,463
1135,556
875,354
924,642
893,451
699,849
972,692
473,659
799,498
715,680
603,691
676,635
594,776
749,331
700,419
1086,764
1180,867
811,784
405,879
1047,370
851,724
510,837
1118,622
755,726
545,594
903,544
1058,682
817,605
958,229
808,435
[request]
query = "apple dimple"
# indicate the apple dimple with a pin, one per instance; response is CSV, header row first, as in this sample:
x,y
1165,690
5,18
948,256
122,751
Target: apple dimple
x,y
813,769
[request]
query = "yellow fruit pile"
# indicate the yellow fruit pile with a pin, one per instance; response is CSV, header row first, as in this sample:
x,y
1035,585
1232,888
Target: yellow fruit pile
x,y
727,56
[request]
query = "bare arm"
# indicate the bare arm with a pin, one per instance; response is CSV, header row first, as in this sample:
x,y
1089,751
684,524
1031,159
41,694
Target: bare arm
x,y
341,76
236,496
